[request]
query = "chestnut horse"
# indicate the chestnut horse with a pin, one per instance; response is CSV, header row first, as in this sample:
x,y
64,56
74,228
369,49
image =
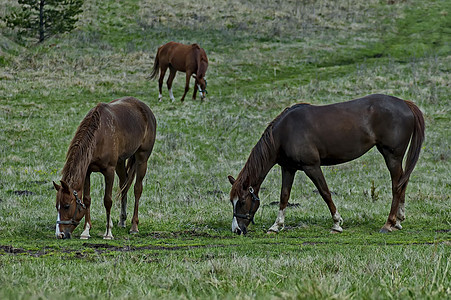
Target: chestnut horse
x,y
190,59
306,137
116,136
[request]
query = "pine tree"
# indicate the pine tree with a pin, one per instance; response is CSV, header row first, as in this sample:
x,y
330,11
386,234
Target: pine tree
x,y
43,18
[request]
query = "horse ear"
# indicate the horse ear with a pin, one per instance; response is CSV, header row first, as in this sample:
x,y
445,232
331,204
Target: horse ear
x,y
64,185
56,186
231,179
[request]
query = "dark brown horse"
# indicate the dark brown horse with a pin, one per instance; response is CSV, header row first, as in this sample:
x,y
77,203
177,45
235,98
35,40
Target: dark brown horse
x,y
190,59
114,137
306,137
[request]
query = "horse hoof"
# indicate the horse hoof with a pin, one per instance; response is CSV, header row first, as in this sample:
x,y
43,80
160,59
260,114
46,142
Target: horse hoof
x,y
271,232
335,231
84,237
134,231
108,238
384,230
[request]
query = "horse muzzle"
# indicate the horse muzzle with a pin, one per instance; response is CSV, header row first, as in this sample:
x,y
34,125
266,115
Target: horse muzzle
x,y
237,228
240,230
64,235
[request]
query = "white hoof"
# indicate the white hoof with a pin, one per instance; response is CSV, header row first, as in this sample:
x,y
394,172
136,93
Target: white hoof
x,y
275,228
336,229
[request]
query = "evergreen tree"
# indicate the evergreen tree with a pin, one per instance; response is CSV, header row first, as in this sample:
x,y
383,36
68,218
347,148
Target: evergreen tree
x,y
43,18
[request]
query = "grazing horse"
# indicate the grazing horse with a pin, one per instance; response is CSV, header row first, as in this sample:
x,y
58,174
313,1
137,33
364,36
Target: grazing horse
x,y
190,59
306,137
113,137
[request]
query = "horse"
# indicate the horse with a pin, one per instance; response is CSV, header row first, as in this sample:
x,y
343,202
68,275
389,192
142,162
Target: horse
x,y
190,59
113,137
306,137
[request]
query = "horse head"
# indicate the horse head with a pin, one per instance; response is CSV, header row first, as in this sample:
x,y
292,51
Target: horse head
x,y
201,84
245,203
70,210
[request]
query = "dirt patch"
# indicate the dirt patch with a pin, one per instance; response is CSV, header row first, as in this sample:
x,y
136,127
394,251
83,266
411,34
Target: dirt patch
x,y
106,247
443,231
288,205
12,250
184,234
23,193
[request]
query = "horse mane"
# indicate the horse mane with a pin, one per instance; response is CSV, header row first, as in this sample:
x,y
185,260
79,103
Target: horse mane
x,y
259,157
202,60
262,153
81,148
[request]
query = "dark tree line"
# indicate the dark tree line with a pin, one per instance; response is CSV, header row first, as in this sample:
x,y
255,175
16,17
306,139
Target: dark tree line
x,y
43,18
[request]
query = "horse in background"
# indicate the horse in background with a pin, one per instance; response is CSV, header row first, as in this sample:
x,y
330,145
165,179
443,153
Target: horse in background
x,y
306,137
190,59
113,137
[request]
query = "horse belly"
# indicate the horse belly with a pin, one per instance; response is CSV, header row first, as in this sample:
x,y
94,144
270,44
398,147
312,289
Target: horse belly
x,y
328,147
179,61
337,156
344,146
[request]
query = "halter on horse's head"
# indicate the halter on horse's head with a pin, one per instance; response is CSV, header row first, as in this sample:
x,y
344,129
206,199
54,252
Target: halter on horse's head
x,y
245,203
201,84
70,210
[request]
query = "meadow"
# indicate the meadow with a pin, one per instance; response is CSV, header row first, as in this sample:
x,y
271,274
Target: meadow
x,y
263,56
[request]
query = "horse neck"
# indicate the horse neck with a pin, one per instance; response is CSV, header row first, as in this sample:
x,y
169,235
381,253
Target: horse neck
x,y
260,162
76,167
201,66
81,150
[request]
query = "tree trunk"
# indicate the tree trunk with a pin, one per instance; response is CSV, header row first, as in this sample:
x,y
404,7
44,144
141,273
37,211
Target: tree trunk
x,y
41,20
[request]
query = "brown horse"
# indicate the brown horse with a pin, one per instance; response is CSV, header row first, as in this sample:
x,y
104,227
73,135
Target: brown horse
x,y
306,137
118,136
190,59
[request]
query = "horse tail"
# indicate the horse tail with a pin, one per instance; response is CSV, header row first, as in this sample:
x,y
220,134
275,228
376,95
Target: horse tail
x,y
156,66
131,173
416,141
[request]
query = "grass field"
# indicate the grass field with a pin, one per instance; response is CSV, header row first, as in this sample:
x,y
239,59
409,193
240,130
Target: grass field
x,y
263,56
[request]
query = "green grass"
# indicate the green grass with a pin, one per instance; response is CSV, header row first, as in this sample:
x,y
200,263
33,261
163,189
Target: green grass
x,y
264,56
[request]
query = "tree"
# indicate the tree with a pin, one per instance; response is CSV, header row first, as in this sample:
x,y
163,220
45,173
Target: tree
x,y
43,18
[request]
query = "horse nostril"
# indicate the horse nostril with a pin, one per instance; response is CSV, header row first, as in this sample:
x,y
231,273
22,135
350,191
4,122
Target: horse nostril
x,y
238,231
66,236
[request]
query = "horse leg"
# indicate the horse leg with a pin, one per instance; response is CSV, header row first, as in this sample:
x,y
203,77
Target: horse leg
x,y
141,160
195,89
316,175
287,183
401,215
87,202
394,165
163,69
188,76
108,202
122,174
171,77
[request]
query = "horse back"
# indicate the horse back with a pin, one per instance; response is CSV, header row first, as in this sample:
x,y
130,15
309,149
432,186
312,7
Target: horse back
x,y
182,57
341,132
127,125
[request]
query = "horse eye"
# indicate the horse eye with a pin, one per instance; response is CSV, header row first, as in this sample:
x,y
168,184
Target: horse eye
x,y
66,206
